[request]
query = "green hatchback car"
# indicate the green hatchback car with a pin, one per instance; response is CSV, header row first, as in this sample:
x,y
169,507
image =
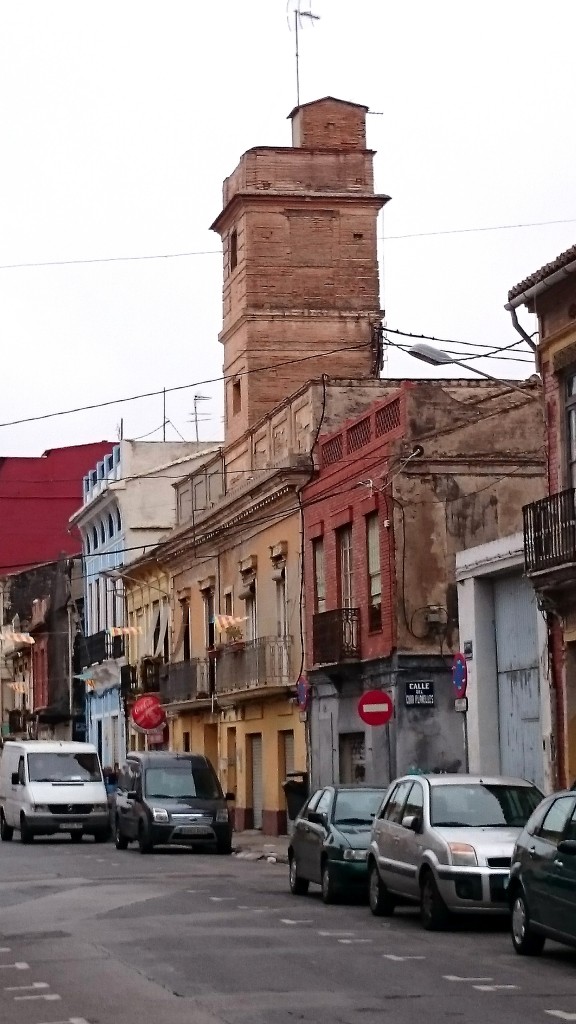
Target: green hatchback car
x,y
542,887
329,845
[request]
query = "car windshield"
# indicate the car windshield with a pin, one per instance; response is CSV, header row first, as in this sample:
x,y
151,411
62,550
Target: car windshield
x,y
64,767
478,805
357,807
182,782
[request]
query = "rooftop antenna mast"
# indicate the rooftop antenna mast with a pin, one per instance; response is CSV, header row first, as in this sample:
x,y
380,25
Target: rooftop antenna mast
x,y
298,24
197,399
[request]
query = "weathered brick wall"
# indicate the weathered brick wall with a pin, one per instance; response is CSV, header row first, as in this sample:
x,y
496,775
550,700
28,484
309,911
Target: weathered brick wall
x,y
329,123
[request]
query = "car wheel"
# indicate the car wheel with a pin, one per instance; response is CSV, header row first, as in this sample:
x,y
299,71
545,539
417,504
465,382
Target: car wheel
x,y
329,887
379,899
145,844
26,833
76,837
525,941
298,885
120,840
6,832
433,910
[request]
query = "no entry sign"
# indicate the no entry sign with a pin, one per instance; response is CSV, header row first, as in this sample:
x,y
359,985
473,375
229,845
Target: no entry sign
x,y
375,707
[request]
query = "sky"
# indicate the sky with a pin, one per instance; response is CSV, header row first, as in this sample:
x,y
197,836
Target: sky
x,y
119,122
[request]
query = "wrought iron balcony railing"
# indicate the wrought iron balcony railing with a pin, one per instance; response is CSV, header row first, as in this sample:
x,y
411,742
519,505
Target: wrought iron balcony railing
x,y
100,647
184,680
252,663
336,636
550,531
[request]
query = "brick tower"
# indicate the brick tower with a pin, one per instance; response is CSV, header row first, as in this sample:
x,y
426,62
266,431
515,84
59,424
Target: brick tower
x,y
298,228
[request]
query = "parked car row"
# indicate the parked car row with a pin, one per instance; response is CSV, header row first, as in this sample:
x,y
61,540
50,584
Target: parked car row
x,y
452,844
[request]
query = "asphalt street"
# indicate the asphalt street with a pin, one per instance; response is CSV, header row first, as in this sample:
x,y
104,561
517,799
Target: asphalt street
x,y
89,935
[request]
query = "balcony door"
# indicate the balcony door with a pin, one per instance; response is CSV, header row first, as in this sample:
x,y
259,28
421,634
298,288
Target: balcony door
x,y
345,567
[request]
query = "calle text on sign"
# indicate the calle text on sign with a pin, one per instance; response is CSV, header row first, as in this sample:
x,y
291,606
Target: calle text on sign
x,y
375,707
419,694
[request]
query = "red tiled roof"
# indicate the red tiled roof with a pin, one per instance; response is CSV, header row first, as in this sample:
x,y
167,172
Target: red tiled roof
x,y
563,260
37,498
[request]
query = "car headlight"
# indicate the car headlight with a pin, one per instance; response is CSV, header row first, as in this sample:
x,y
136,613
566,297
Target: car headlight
x,y
40,807
222,815
160,814
355,854
463,855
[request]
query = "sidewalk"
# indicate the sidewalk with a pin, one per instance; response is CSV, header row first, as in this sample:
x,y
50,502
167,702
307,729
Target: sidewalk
x,y
253,845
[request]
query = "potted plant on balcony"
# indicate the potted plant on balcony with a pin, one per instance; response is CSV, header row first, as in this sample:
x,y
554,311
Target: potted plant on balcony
x,y
234,638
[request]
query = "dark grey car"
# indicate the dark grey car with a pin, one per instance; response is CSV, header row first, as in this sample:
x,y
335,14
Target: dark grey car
x,y
542,890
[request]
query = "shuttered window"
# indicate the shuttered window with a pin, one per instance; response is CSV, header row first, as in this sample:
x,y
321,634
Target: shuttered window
x,y
374,574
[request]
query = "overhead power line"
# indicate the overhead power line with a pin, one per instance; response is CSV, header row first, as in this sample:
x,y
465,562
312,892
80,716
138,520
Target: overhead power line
x,y
218,252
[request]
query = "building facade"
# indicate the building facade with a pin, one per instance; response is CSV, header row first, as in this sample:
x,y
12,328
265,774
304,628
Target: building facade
x,y
549,530
401,489
128,505
300,302
504,636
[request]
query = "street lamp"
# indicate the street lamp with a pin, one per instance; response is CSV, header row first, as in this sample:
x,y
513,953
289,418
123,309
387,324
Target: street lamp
x,y
438,357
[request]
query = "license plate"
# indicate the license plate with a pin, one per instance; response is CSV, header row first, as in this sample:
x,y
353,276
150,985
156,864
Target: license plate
x,y
72,827
193,830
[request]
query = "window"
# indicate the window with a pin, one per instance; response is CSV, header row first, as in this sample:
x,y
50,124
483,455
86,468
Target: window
x,y
94,537
281,616
352,757
186,741
183,782
102,532
481,805
63,767
21,773
233,249
110,525
313,802
374,575
236,397
319,578
325,803
356,806
394,809
156,624
185,608
415,802
209,627
345,566
251,626
228,604
556,820
97,606
118,520
571,428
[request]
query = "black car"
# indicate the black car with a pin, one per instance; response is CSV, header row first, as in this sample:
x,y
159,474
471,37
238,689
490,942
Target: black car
x,y
330,841
166,798
542,888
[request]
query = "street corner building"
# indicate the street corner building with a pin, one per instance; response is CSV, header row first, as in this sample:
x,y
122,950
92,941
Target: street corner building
x,y
550,522
429,470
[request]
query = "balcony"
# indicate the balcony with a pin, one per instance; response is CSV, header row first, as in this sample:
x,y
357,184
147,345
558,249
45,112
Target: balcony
x,y
336,636
184,680
149,673
17,721
100,647
550,532
264,662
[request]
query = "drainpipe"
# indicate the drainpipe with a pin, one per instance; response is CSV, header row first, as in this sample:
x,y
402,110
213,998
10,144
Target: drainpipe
x,y
531,293
70,671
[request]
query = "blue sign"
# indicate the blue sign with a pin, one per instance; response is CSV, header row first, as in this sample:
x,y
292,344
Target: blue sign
x,y
302,693
460,674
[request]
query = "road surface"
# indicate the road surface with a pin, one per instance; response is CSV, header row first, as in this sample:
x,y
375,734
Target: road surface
x,y
89,934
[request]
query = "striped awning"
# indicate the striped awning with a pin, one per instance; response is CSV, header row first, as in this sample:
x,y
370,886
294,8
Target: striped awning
x,y
18,687
124,630
16,638
224,622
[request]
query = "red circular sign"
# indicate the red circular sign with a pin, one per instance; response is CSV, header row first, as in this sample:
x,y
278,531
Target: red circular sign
x,y
375,707
460,675
147,713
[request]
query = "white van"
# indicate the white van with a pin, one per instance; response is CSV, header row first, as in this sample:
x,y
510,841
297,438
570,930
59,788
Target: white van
x,y
52,786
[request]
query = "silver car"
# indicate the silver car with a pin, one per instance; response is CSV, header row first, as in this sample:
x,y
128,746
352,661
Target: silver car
x,y
446,842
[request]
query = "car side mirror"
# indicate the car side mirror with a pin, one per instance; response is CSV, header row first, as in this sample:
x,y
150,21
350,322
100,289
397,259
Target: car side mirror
x,y
411,822
567,846
15,779
317,818
132,794
230,796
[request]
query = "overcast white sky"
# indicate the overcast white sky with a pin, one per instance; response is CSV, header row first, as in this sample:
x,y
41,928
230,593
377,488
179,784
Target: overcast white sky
x,y
118,122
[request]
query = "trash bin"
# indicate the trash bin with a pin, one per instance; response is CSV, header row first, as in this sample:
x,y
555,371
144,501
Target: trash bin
x,y
295,788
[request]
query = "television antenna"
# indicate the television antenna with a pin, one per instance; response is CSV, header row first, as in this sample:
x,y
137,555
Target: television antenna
x,y
299,24
197,399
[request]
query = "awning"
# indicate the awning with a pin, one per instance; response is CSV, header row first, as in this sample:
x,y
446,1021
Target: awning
x,y
224,622
164,616
16,638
